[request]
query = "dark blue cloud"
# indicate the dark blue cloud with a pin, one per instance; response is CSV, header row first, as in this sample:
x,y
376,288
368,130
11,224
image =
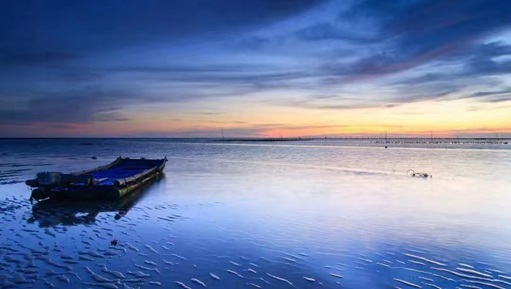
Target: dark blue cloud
x,y
255,43
492,93
419,32
328,31
500,95
71,106
221,74
51,58
436,34
30,27
475,62
90,94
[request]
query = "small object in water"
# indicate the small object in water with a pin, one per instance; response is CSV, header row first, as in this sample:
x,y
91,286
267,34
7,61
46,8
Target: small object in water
x,y
94,158
385,146
114,242
412,173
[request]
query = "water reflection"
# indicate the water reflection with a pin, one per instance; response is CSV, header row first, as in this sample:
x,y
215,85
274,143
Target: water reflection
x,y
237,216
52,213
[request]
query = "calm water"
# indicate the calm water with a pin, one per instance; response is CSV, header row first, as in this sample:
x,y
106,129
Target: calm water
x,y
264,215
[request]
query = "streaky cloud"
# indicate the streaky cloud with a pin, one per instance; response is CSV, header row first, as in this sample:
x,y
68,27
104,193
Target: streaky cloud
x,y
92,25
420,32
14,58
328,31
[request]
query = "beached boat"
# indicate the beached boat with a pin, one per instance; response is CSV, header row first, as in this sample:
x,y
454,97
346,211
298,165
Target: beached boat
x,y
110,182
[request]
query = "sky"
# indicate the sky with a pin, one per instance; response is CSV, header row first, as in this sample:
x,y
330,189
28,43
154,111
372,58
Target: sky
x,y
255,68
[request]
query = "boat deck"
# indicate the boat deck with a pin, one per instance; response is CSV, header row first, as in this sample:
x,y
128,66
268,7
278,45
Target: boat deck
x,y
121,170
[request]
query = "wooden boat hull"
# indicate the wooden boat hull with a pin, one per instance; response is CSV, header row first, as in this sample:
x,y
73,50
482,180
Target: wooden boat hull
x,y
110,182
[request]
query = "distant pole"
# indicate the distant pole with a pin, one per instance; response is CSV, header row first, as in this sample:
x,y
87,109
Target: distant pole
x,y
223,136
431,134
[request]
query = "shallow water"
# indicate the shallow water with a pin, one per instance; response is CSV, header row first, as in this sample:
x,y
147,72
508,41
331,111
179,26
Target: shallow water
x,y
314,214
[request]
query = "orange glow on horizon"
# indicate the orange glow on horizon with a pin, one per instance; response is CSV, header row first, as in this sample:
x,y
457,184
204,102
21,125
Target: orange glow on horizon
x,y
444,119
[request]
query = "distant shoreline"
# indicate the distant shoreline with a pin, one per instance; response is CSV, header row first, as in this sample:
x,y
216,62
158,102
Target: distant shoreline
x,y
381,140
261,139
282,139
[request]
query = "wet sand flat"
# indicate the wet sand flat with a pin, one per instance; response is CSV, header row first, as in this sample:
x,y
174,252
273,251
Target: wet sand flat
x,y
280,215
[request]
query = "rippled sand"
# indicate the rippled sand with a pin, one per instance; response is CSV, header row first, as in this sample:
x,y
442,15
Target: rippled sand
x,y
42,249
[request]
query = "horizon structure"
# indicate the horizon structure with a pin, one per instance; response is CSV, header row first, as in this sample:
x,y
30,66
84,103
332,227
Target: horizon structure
x,y
255,68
